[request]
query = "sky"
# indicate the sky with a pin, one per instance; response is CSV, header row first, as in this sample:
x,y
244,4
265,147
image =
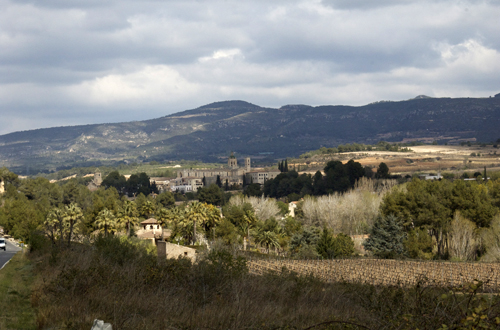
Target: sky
x,y
72,62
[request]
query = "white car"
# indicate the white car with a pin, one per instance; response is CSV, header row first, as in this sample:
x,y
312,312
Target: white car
x,y
2,243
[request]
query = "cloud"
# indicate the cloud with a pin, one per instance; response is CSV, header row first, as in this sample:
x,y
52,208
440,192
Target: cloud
x,y
131,59
150,85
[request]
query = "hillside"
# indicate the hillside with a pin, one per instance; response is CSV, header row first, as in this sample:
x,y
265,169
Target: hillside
x,y
210,132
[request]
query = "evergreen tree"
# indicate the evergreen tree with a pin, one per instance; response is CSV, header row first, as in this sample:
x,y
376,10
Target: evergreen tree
x,y
211,195
382,171
343,246
218,182
244,181
386,238
226,186
326,245
204,181
285,169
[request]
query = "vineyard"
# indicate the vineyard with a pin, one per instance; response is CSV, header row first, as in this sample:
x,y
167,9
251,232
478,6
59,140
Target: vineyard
x,y
386,272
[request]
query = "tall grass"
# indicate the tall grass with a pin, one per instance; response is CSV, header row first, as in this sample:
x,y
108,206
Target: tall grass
x,y
133,290
15,292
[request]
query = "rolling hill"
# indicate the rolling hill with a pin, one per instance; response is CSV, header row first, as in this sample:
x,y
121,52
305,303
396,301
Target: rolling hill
x,y
210,132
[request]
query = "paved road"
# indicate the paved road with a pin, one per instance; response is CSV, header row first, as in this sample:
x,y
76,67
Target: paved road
x,y
9,252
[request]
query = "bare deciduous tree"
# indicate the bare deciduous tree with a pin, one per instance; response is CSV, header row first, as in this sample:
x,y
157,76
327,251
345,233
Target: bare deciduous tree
x,y
264,207
352,212
491,241
462,242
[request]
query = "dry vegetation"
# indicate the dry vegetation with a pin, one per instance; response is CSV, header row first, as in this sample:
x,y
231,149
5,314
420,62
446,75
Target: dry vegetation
x,y
387,272
131,289
423,159
352,212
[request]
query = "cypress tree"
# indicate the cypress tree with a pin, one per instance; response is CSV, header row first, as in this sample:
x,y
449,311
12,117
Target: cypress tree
x,y
227,185
286,166
218,182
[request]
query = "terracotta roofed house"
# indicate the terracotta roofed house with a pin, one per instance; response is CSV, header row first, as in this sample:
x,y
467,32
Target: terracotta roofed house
x,y
150,224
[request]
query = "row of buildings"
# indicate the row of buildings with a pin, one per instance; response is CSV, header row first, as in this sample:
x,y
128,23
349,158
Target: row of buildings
x,y
192,180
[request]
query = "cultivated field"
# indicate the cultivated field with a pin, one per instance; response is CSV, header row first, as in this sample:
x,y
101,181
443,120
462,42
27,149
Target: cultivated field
x,y
387,272
422,159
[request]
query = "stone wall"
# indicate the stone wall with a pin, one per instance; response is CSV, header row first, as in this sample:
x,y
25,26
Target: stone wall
x,y
174,251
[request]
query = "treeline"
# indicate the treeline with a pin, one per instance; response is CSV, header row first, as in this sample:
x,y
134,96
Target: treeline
x,y
134,185
380,146
338,177
439,219
33,205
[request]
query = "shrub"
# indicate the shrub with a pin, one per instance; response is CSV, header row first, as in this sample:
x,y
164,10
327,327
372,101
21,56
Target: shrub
x,y
121,250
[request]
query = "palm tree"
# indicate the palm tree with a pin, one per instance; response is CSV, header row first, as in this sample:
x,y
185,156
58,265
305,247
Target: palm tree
x,y
164,217
267,239
212,218
54,224
197,214
148,208
249,221
127,215
73,213
106,220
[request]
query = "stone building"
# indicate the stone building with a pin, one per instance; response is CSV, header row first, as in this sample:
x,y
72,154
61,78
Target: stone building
x,y
96,182
260,177
192,180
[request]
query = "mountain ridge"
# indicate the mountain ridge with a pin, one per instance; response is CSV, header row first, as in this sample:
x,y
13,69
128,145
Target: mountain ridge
x,y
211,131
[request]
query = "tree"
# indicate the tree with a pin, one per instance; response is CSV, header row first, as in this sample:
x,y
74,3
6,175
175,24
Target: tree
x,y
418,244
462,242
382,171
309,236
196,214
106,221
166,199
227,232
211,195
355,171
54,225
164,217
114,179
267,239
386,238
218,182
148,209
343,246
326,244
128,215
253,190
491,241
72,214
139,183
